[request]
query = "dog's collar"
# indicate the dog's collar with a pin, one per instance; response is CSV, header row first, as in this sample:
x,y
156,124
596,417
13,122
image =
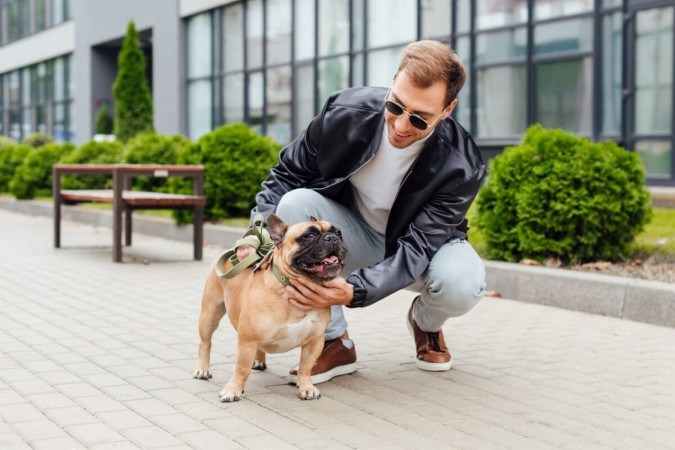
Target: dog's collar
x,y
283,279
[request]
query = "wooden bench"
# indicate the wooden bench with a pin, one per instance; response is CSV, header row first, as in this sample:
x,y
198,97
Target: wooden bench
x,y
124,200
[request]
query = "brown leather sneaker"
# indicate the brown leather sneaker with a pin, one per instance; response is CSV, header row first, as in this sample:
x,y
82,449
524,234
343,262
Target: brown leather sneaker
x,y
432,353
335,359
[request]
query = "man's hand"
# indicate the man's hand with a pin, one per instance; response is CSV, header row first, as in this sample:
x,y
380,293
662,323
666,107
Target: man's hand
x,y
307,294
243,251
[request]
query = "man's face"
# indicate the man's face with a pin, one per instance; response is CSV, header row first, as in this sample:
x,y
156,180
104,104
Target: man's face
x,y
427,103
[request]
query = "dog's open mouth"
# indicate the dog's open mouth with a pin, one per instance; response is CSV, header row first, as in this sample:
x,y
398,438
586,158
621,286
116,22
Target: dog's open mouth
x,y
327,263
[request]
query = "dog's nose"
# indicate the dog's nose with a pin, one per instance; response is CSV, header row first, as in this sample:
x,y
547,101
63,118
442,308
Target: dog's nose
x,y
330,238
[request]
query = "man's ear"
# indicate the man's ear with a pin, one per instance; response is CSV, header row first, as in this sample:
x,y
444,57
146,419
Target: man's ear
x,y
277,228
451,107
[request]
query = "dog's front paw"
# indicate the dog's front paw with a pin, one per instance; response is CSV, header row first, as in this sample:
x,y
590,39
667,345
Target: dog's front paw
x,y
202,374
230,395
309,392
259,365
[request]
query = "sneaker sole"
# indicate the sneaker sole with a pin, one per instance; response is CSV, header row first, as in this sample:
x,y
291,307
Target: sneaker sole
x,y
327,376
423,365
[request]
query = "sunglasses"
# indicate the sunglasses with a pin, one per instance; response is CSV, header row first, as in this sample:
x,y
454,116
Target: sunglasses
x,y
415,120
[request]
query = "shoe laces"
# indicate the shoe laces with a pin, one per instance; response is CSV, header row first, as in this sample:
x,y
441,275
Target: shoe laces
x,y
432,338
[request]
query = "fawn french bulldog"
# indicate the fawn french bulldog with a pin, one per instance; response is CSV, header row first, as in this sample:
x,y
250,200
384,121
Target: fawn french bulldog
x,y
258,307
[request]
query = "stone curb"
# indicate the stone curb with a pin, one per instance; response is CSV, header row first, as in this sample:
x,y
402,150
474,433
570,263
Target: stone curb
x,y
640,300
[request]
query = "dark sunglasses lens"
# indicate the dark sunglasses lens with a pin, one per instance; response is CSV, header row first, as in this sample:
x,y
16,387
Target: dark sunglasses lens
x,y
397,111
393,108
418,123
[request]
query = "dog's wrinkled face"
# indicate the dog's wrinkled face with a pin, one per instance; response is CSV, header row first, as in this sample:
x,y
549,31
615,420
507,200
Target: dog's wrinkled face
x,y
312,249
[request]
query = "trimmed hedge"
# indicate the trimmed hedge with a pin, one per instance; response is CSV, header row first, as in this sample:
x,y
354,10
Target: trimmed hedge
x,y
11,157
236,160
33,178
557,195
152,148
92,153
38,139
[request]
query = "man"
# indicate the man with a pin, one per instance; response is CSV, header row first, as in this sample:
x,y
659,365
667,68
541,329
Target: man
x,y
396,174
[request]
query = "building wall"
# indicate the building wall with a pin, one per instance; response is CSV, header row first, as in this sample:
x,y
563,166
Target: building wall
x,y
102,21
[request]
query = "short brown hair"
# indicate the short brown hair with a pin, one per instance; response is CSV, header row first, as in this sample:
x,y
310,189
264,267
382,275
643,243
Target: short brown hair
x,y
426,62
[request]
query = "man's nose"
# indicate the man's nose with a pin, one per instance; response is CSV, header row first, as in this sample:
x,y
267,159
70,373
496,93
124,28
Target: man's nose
x,y
403,122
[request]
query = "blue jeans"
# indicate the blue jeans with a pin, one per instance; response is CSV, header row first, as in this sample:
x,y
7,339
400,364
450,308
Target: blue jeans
x,y
451,287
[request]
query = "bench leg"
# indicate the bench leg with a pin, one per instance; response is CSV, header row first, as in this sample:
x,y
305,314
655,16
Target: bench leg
x,y
127,226
57,220
198,231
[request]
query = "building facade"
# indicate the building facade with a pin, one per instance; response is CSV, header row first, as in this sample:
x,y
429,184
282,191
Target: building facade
x,y
599,68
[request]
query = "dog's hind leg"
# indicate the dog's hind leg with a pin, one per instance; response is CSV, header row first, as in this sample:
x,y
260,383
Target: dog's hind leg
x,y
234,388
259,362
213,309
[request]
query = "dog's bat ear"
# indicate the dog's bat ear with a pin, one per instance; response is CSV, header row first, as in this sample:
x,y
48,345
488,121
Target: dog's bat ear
x,y
277,228
313,219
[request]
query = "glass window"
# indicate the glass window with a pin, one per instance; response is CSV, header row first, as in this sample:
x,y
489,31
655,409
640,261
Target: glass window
x,y
564,95
436,18
13,21
547,9
612,3
199,108
59,123
40,15
357,70
564,36
611,74
57,12
391,22
279,104
501,106
494,14
304,96
656,156
358,24
254,33
233,37
382,66
333,27
463,110
199,46
333,76
463,16
304,29
256,100
654,71
26,101
501,46
233,91
278,31
59,81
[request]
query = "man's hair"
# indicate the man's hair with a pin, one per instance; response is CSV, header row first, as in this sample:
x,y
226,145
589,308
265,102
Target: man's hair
x,y
426,62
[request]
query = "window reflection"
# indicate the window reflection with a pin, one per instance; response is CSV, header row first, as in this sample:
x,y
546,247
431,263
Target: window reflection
x,y
278,31
501,109
500,13
391,22
547,9
564,94
233,37
564,36
333,27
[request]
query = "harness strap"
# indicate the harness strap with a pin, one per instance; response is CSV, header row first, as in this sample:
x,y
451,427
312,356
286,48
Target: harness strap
x,y
259,238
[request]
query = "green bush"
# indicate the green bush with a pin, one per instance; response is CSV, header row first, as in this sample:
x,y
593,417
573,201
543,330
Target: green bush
x,y
11,157
236,161
104,120
559,195
33,178
6,141
133,100
92,153
152,148
38,139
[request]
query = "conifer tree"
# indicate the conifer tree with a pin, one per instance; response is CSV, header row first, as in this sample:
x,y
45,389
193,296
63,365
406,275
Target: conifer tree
x,y
133,100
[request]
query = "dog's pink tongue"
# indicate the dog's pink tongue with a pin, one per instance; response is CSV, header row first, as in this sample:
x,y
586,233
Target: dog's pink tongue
x,y
330,260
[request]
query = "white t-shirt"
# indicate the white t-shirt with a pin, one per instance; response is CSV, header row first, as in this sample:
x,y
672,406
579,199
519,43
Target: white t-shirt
x,y
377,182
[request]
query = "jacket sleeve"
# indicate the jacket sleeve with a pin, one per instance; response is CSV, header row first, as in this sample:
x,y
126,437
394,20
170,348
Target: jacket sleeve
x,y
431,228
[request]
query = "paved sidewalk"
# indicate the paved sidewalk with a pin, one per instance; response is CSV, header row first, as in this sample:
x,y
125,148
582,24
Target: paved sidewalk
x,y
98,355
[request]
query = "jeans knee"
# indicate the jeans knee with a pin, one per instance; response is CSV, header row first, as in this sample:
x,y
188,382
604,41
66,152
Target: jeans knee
x,y
294,205
459,295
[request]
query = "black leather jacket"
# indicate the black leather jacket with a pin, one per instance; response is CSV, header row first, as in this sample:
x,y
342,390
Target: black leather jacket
x,y
429,209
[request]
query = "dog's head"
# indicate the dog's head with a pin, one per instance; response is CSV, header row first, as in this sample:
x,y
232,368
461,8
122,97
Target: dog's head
x,y
312,249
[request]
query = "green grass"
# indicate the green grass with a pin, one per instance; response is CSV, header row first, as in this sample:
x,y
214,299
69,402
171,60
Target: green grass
x,y
657,239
